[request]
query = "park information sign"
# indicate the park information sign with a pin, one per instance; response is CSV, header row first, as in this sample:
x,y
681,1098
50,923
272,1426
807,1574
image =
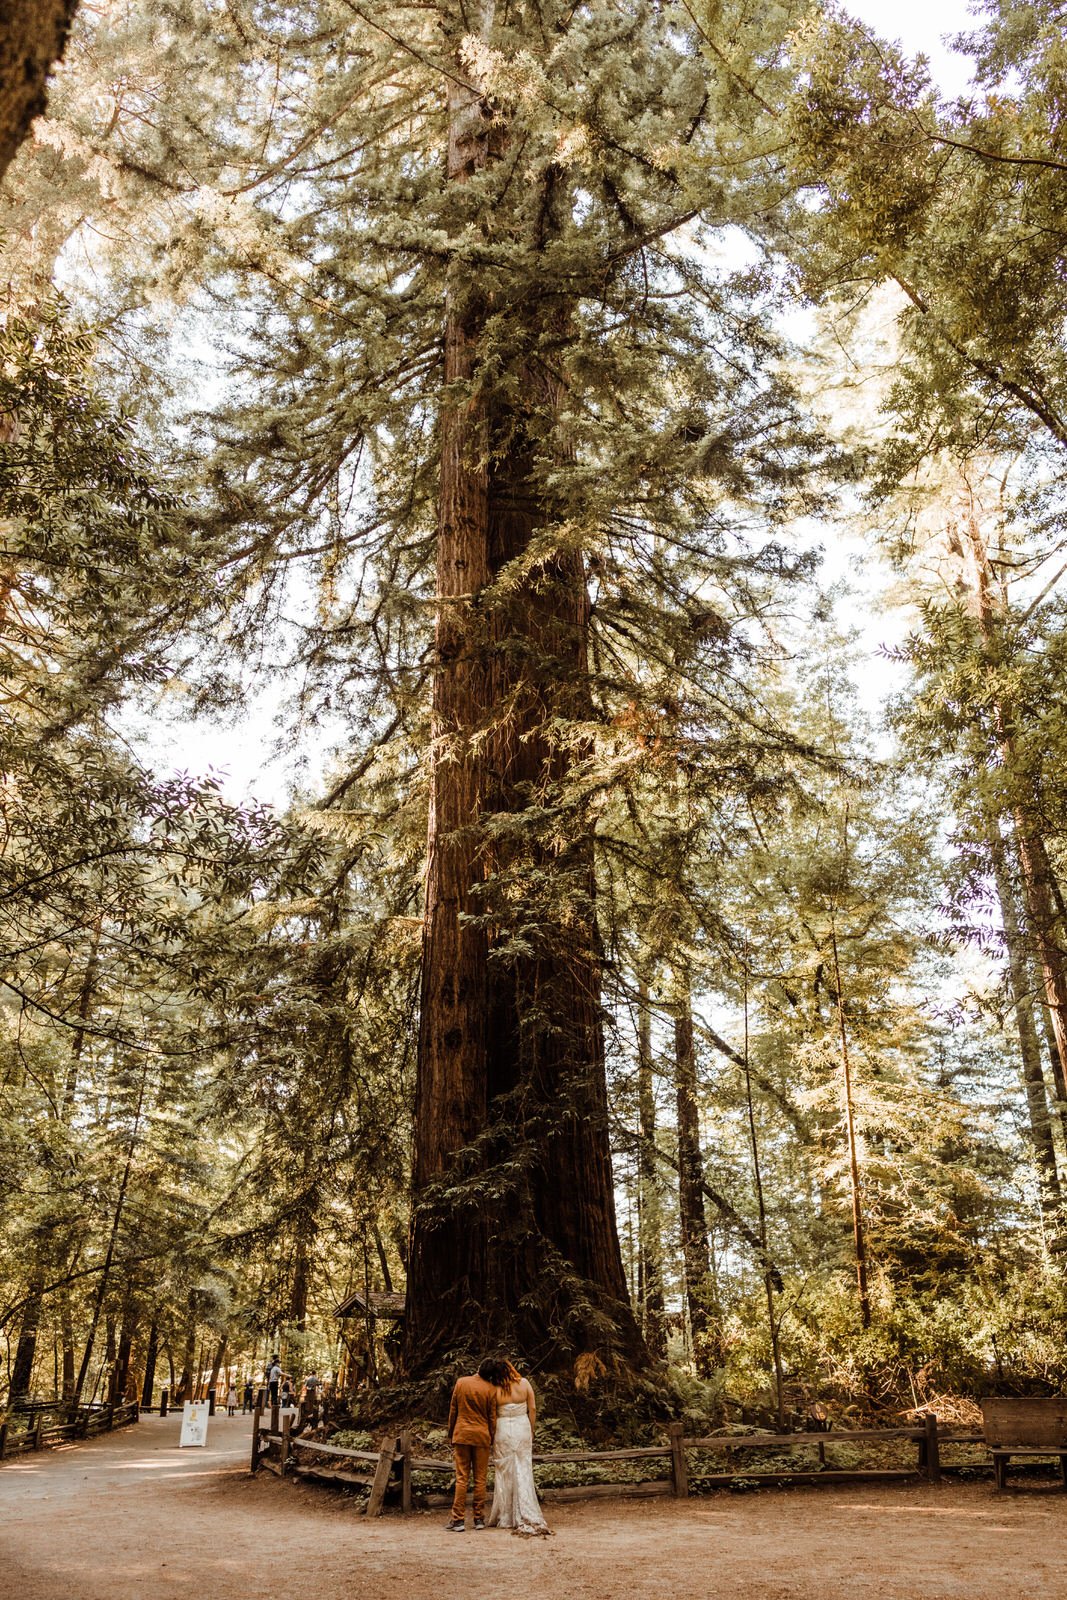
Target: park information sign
x,y
194,1423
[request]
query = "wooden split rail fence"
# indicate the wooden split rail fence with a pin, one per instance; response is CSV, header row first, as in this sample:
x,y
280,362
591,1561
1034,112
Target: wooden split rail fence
x,y
284,1452
48,1424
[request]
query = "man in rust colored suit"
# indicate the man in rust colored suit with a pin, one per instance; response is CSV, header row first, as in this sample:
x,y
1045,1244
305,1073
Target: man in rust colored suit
x,y
471,1430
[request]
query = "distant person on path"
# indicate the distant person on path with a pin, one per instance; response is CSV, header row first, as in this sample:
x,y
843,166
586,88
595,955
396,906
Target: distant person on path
x,y
471,1430
287,1391
246,1398
310,1408
231,1400
274,1378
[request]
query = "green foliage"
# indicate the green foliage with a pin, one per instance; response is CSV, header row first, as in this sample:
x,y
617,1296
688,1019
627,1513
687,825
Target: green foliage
x,y
209,1019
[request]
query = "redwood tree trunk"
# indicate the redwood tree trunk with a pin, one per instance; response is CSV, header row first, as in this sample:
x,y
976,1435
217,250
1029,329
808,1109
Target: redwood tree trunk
x,y
696,1258
447,1266
648,1188
514,1239
120,1372
184,1390
298,1309
26,1349
151,1354
66,1326
1041,895
216,1365
1040,903
1029,1046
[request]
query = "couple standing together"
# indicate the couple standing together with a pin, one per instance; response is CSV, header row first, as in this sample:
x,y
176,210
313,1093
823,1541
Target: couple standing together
x,y
495,1412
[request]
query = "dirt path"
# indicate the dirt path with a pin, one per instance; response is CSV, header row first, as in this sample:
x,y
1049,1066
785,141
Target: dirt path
x,y
129,1517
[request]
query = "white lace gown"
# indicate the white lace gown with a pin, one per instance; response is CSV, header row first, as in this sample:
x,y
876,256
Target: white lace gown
x,y
514,1492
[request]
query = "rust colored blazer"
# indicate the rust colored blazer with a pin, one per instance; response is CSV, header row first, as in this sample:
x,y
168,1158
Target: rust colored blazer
x,y
472,1414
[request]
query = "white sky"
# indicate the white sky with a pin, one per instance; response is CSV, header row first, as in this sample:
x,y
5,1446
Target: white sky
x,y
243,753
921,27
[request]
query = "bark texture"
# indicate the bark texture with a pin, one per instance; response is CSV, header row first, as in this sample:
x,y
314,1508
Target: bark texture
x,y
33,34
648,1189
26,1348
696,1259
514,1239
1029,1046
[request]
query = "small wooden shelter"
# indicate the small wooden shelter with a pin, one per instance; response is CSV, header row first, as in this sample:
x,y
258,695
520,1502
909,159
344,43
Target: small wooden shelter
x,y
370,1333
380,1305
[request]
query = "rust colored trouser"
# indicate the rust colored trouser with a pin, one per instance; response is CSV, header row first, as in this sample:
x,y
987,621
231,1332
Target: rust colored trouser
x,y
468,1457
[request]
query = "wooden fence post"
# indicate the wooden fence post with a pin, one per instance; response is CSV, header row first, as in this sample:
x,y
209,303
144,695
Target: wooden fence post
x,y
3,1440
38,1430
679,1470
254,1467
382,1473
164,1396
933,1449
274,1419
110,1416
405,1472
287,1423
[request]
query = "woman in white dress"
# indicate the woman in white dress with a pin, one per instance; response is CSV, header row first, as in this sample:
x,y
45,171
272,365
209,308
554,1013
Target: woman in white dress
x,y
515,1503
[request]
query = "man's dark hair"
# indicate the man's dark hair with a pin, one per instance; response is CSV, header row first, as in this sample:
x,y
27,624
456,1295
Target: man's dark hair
x,y
494,1370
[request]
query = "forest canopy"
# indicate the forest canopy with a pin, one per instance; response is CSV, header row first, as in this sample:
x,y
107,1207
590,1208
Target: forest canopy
x,y
623,444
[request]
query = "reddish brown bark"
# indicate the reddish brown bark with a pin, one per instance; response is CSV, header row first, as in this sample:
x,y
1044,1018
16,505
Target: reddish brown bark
x,y
1029,1046
1040,890
648,1188
26,1348
514,1238
33,34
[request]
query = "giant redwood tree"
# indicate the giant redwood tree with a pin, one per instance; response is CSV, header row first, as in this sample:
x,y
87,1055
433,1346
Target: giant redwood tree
x,y
514,1235
497,391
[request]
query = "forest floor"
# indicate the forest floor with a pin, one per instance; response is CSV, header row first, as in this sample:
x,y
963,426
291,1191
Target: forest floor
x,y
129,1517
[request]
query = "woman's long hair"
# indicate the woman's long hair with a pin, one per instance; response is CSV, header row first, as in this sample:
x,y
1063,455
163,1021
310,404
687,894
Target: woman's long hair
x,y
496,1371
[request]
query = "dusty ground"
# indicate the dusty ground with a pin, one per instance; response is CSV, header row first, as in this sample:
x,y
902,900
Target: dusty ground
x,y
129,1517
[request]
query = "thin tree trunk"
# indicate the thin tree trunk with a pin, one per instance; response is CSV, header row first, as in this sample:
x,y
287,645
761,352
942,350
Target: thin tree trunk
x,y
109,1352
648,1181
189,1356
1029,1048
105,1274
298,1309
26,1348
66,1327
383,1259
216,1365
696,1260
198,1371
1036,875
1059,1082
151,1356
120,1372
768,1281
859,1237
1040,889
86,996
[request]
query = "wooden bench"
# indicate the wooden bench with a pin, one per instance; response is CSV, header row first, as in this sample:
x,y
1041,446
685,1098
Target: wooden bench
x,y
1027,1426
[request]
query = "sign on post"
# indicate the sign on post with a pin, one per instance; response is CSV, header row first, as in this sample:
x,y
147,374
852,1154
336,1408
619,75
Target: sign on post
x,y
194,1423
